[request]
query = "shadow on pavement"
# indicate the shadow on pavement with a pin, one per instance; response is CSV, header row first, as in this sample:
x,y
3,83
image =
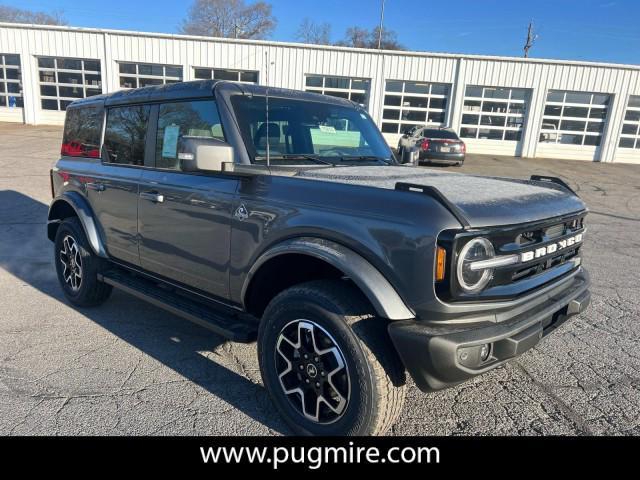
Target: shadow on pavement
x,y
26,253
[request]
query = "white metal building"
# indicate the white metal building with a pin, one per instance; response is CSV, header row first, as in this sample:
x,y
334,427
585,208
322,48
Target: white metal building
x,y
499,105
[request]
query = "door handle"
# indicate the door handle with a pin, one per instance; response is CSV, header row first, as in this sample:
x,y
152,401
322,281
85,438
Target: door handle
x,y
152,196
98,187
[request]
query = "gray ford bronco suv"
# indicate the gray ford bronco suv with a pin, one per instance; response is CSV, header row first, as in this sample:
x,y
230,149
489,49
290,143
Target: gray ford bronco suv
x,y
283,216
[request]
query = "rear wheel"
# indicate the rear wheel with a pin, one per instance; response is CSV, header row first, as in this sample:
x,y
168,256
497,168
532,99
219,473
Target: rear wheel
x,y
77,266
328,363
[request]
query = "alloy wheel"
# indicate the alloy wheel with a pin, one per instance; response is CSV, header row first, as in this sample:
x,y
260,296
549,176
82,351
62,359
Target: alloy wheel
x,y
312,371
71,261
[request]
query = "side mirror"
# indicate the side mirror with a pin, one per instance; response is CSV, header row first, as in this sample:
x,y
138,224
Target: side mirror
x,y
207,154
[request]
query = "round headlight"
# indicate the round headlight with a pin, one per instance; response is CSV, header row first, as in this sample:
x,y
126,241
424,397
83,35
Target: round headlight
x,y
472,281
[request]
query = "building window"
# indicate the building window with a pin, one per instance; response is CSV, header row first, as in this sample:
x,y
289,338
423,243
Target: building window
x,y
574,118
410,104
10,81
494,113
354,89
63,80
630,137
243,76
134,75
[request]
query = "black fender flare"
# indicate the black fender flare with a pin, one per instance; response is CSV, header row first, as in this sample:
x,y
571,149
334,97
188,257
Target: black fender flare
x,y
84,213
382,295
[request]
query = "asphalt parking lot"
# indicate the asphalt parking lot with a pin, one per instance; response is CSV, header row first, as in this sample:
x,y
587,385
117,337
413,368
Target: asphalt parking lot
x,y
130,368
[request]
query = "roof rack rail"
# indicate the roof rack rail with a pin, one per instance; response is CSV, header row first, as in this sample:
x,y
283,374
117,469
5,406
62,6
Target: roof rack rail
x,y
556,180
433,192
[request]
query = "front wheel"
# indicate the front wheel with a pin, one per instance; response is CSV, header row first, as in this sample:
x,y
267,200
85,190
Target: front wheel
x,y
328,363
77,266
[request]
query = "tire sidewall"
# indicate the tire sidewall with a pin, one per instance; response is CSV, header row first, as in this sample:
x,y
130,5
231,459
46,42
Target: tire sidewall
x,y
360,408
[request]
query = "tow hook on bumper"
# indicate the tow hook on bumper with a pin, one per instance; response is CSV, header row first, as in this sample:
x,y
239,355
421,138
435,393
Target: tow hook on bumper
x,y
441,357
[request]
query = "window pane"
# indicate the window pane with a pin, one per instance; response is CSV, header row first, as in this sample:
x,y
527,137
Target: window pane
x,y
626,142
414,116
128,68
494,121
65,77
498,107
573,125
181,120
48,90
3,101
69,64
496,93
595,127
512,135
598,113
412,87
518,94
634,101
358,84
599,99
580,112
225,75
48,77
394,86
74,92
578,97
468,132
92,65
435,117
633,115
473,91
48,104
128,82
358,97
392,100
251,77
336,82
175,72
313,81
12,60
438,103
569,139
515,122
13,87
92,91
12,74
553,110
472,105
417,102
629,129
82,131
470,119
147,82
439,89
125,133
592,140
516,108
389,114
92,79
202,73
555,96
46,62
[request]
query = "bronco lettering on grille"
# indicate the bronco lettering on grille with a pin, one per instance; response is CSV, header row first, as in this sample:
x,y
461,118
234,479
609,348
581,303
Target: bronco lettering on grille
x,y
551,248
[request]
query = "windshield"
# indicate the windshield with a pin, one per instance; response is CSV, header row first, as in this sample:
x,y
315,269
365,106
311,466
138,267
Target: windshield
x,y
307,131
433,133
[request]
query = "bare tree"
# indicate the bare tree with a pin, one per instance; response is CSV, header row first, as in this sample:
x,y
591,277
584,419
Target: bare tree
x,y
312,32
230,19
19,15
362,38
531,38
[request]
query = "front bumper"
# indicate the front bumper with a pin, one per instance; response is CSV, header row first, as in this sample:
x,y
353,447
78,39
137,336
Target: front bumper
x,y
438,357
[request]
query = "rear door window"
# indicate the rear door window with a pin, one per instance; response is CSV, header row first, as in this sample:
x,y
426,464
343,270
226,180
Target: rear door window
x,y
82,132
180,120
125,134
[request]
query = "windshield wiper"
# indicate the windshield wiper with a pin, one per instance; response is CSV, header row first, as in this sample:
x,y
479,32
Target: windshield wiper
x,y
295,156
363,158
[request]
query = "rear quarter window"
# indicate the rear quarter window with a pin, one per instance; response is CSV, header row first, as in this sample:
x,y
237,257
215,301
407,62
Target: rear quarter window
x,y
82,132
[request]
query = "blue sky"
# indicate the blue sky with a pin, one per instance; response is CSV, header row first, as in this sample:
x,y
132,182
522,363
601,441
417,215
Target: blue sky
x,y
598,30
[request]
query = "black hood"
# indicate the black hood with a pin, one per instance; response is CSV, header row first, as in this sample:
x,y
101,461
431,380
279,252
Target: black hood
x,y
484,201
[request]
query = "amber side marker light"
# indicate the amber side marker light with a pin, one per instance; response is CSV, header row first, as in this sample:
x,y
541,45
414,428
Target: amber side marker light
x,y
441,257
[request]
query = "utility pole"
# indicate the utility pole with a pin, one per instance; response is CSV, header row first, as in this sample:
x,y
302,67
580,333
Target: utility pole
x,y
381,25
531,38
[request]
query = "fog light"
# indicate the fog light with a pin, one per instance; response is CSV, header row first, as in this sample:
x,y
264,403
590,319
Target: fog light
x,y
485,350
474,357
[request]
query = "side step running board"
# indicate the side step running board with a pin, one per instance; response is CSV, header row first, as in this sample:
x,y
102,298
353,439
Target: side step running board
x,y
230,325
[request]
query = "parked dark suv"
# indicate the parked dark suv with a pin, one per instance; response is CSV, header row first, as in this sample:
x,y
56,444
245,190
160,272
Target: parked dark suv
x,y
281,215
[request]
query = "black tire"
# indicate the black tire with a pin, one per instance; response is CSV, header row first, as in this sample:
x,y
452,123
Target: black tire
x,y
86,291
459,164
376,376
